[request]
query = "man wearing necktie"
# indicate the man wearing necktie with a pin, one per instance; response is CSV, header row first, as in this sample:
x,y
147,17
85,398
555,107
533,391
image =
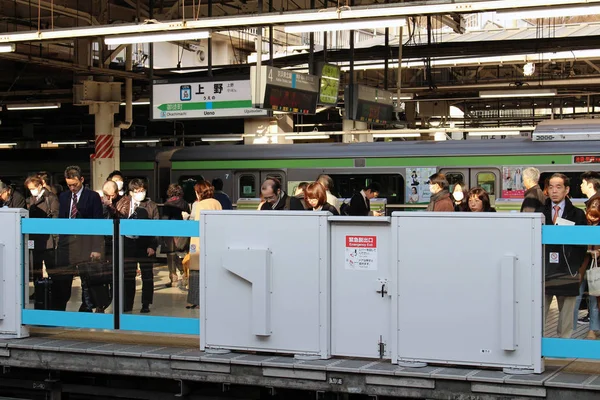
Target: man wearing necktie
x,y
562,262
76,203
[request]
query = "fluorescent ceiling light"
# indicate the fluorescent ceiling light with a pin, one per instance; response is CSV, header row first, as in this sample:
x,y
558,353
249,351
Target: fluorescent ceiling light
x,y
345,25
306,137
549,12
32,106
7,48
141,140
491,94
403,96
222,138
138,103
66,143
8,144
157,37
396,135
276,18
495,133
188,71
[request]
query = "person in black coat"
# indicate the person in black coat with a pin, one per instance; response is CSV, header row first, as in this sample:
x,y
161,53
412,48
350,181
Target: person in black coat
x,y
175,208
315,197
360,203
76,203
274,196
11,198
562,262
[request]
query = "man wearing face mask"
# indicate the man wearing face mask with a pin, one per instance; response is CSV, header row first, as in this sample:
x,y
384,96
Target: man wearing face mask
x,y
135,205
117,177
76,203
274,196
42,204
440,196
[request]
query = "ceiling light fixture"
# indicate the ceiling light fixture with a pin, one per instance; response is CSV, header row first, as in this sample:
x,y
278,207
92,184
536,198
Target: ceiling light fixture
x,y
396,135
222,138
345,25
495,133
403,96
306,137
7,144
492,94
276,18
157,37
7,48
66,143
32,106
140,140
548,12
138,103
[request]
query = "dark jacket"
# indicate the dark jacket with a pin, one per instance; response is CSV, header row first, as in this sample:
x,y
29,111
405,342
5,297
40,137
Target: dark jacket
x,y
359,206
534,200
569,258
330,208
76,249
172,210
222,198
298,203
146,210
46,206
283,204
16,200
109,211
441,201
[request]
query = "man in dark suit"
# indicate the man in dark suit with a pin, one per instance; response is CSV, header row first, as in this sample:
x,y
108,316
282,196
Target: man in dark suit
x,y
360,203
562,262
11,198
77,202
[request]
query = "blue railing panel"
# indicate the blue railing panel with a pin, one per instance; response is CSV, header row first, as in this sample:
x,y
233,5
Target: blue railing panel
x,y
159,227
570,348
64,226
160,324
556,234
68,319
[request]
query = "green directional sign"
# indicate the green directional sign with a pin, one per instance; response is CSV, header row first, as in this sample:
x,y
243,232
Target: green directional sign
x,y
185,99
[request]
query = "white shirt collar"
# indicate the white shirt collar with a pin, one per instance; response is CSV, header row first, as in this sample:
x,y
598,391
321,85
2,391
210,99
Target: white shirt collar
x,y
78,194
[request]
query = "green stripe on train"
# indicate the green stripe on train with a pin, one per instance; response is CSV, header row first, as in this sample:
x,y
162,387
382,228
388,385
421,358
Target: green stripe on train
x,y
446,161
137,165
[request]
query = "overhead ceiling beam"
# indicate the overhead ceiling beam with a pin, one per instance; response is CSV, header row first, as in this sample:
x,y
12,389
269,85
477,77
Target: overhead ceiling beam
x,y
173,10
591,64
73,67
144,10
112,55
61,10
453,21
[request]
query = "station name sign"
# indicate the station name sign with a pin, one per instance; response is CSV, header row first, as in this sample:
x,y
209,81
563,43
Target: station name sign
x,y
174,99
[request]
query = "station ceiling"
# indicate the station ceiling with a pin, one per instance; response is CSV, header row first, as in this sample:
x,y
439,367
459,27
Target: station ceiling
x,y
447,63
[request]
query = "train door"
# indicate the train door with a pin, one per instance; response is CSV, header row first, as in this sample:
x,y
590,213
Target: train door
x,y
487,178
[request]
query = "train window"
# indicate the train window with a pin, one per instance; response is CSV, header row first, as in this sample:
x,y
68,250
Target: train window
x,y
247,186
392,186
487,180
575,182
455,178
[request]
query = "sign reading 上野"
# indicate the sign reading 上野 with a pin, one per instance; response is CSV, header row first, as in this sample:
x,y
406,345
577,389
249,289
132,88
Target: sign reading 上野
x,y
361,253
284,90
185,99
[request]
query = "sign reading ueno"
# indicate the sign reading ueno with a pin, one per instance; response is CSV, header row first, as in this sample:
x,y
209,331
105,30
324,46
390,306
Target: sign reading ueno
x,y
184,99
283,90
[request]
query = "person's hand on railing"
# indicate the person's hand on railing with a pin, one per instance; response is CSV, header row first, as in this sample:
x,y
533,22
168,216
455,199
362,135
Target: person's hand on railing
x,y
185,215
151,252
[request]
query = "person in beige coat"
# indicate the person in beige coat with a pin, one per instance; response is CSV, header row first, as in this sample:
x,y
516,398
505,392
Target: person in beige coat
x,y
206,201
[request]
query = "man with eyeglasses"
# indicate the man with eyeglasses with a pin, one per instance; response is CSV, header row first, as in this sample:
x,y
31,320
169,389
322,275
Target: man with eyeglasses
x,y
78,202
274,196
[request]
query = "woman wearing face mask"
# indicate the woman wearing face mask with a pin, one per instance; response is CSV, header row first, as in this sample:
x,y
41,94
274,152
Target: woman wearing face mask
x,y
135,205
315,196
117,177
459,194
479,201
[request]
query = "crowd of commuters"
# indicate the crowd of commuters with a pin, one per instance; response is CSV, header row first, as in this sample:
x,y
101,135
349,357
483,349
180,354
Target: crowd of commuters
x,y
64,256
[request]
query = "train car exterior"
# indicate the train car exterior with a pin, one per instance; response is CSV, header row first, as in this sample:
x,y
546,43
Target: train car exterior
x,y
402,168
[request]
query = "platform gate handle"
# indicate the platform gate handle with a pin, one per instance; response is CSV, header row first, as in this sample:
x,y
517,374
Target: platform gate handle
x,y
507,302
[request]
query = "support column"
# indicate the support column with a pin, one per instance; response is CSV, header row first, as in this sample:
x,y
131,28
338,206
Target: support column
x,y
106,157
264,128
349,125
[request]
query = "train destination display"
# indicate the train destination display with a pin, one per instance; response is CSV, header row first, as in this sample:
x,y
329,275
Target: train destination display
x,y
283,90
367,104
189,99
